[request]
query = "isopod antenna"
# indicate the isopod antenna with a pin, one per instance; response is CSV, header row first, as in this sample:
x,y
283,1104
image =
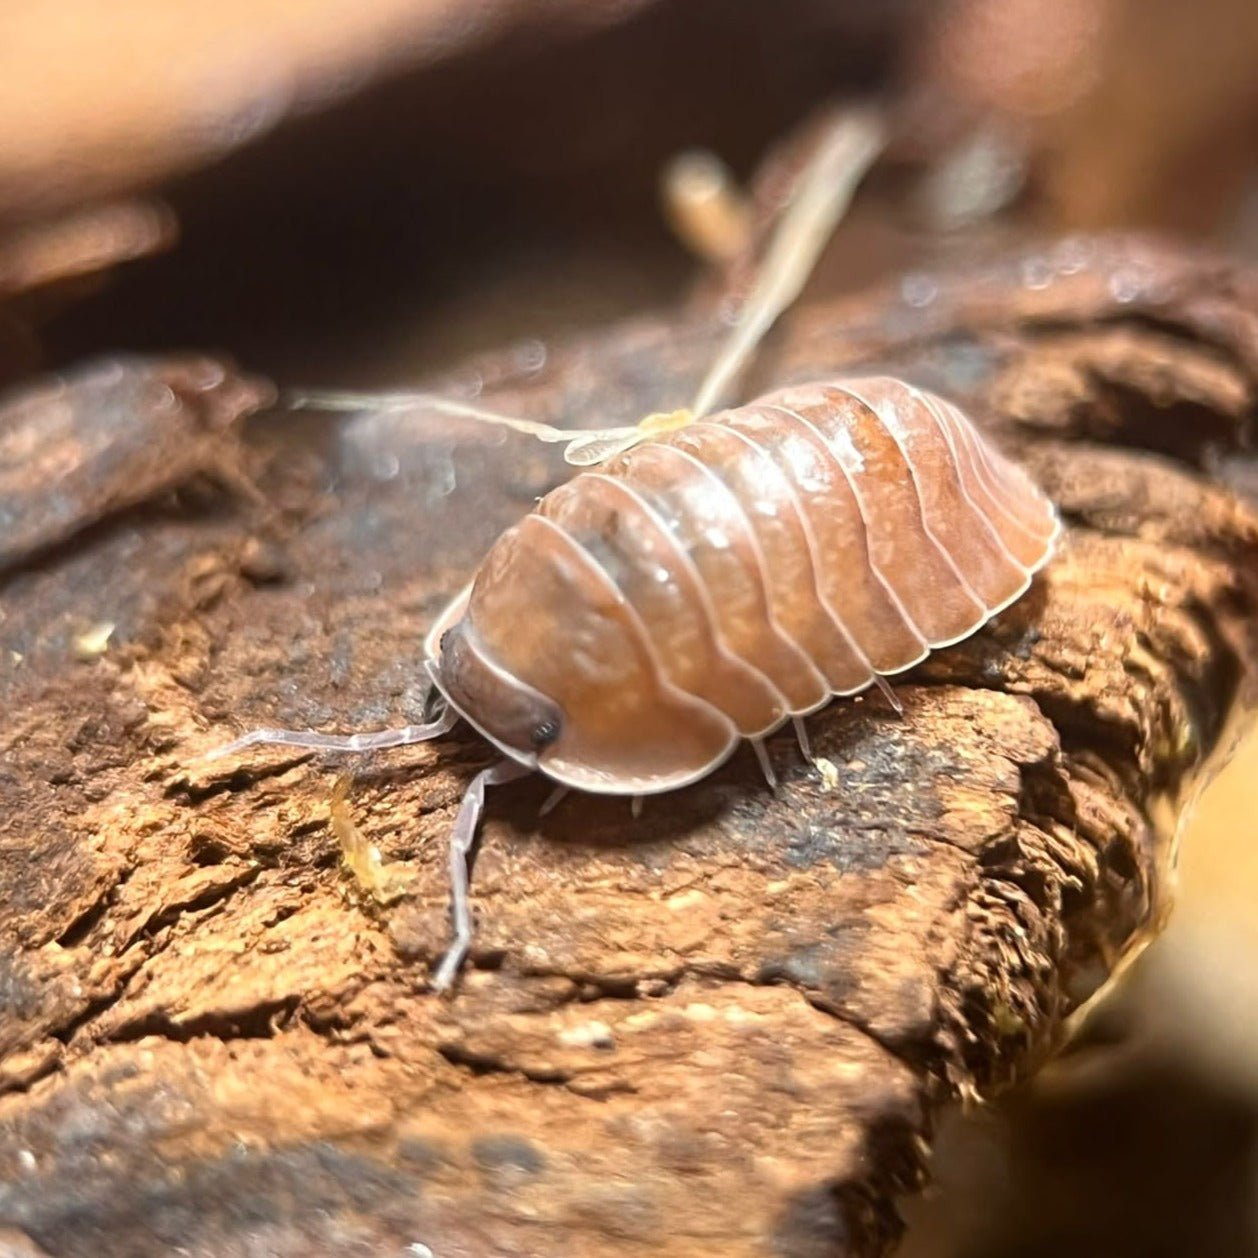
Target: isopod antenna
x,y
825,191
820,198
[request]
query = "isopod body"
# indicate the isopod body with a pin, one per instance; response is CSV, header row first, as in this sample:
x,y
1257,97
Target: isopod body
x,y
707,586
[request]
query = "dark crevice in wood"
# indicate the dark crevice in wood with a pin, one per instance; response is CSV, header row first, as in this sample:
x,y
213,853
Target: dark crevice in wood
x,y
260,1022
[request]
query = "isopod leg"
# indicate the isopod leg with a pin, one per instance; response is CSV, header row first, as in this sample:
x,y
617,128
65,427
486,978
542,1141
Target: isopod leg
x,y
462,846
801,735
315,741
888,694
766,766
553,799
635,806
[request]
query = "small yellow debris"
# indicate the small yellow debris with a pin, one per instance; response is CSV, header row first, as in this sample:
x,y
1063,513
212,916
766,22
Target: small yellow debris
x,y
592,1034
684,901
665,421
94,641
829,773
705,207
361,857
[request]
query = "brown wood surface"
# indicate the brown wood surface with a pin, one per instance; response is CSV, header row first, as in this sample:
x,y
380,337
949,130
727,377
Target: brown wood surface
x,y
723,1028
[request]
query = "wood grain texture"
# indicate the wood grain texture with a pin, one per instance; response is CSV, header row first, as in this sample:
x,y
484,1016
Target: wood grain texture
x,y
723,1028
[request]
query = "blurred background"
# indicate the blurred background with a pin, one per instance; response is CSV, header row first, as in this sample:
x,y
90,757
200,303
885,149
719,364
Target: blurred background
x,y
358,194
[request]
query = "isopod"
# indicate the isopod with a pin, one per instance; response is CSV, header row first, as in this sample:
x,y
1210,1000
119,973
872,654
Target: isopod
x,y
712,579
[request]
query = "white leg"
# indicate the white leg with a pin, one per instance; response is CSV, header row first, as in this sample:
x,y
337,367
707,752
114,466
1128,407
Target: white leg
x,y
766,767
553,799
462,844
635,806
888,694
313,740
801,734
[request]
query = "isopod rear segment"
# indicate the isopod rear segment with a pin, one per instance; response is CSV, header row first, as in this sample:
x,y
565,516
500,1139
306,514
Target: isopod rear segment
x,y
708,586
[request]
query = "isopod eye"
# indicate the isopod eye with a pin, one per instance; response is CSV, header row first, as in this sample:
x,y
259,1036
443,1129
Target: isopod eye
x,y
502,706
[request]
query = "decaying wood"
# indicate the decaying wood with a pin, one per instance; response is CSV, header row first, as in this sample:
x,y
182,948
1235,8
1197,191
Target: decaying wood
x,y
82,245
112,434
722,1028
75,128
98,103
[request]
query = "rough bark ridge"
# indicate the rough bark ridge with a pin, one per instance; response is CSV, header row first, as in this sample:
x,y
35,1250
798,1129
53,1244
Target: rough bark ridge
x,y
720,1029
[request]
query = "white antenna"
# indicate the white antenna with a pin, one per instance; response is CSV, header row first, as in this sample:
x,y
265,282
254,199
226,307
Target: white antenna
x,y
819,200
328,400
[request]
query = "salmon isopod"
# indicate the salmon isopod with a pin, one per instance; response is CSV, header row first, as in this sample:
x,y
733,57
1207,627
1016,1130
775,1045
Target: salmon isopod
x,y
712,579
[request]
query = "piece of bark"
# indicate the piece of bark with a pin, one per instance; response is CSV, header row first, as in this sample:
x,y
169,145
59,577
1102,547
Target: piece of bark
x,y
44,267
97,101
115,433
721,1028
80,246
101,100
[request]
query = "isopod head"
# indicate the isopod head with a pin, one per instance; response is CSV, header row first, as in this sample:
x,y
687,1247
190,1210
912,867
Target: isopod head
x,y
506,709
542,656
